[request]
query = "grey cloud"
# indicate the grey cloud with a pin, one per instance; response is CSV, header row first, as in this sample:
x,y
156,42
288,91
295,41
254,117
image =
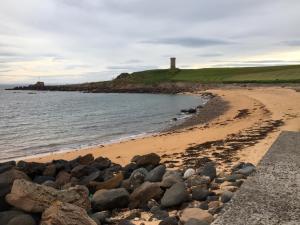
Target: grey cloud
x,y
292,43
210,54
190,42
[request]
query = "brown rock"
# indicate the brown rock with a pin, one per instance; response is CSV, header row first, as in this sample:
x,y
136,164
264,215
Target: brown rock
x,y
62,178
195,213
86,159
50,170
31,197
8,177
65,214
148,159
112,183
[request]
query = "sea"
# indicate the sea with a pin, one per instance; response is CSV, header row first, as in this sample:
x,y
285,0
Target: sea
x,y
34,123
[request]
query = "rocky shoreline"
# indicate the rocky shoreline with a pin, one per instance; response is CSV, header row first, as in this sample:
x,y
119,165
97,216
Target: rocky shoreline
x,y
91,191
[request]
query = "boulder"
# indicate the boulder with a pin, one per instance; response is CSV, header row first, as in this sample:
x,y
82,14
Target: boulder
x,y
101,216
7,166
6,216
246,170
141,195
169,221
101,163
146,160
196,222
196,213
138,177
82,170
112,183
170,178
209,170
200,193
188,173
158,213
86,159
92,177
110,199
63,178
23,219
226,196
60,213
50,170
35,198
197,180
174,196
156,174
32,169
42,179
128,169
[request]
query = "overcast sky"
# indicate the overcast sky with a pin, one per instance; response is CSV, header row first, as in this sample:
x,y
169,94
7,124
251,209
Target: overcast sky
x,y
70,41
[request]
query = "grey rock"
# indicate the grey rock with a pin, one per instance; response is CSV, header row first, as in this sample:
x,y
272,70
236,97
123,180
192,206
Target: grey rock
x,y
174,196
169,221
156,174
158,213
22,219
138,177
226,196
170,178
188,173
42,179
200,193
209,170
101,216
248,170
6,216
110,199
197,180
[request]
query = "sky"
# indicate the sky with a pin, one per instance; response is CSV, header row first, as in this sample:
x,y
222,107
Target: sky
x,y
73,41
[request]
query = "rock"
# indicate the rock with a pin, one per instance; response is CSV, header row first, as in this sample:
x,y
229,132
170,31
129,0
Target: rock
x,y
141,195
50,170
50,183
170,178
230,188
125,222
32,169
6,180
196,222
189,111
112,183
226,196
101,216
203,205
95,220
128,169
66,214
188,173
169,221
62,178
214,207
23,219
7,166
209,170
138,177
247,170
82,170
196,213
200,193
35,198
93,176
158,213
101,163
110,199
234,177
145,160
197,180
212,198
42,179
6,216
174,196
86,159
62,165
156,174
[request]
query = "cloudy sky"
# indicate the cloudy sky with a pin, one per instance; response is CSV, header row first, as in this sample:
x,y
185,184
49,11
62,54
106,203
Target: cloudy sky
x,y
70,41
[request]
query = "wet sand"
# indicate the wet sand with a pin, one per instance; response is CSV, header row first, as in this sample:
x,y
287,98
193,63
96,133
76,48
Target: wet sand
x,y
249,122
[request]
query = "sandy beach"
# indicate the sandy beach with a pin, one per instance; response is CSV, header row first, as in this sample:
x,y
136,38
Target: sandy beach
x,y
244,132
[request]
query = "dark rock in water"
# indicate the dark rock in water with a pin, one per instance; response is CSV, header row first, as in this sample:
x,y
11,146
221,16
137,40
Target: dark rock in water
x,y
42,179
174,196
50,170
35,198
156,174
60,213
6,216
32,169
86,159
193,221
174,119
209,170
23,219
7,166
170,178
146,160
125,222
200,193
190,111
128,169
158,213
197,180
141,195
169,221
101,163
226,196
110,199
6,181
101,216
62,178
138,177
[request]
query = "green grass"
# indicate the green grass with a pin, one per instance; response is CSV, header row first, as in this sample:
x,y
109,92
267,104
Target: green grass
x,y
272,74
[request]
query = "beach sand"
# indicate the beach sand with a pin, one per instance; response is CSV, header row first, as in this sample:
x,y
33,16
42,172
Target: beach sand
x,y
252,120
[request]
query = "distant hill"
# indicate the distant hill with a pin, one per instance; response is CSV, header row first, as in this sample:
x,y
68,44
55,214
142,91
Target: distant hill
x,y
179,80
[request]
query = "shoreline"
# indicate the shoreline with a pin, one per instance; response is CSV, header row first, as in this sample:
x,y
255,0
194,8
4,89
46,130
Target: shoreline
x,y
262,109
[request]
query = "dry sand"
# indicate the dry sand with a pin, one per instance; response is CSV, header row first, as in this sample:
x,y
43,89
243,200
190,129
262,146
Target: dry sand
x,y
261,109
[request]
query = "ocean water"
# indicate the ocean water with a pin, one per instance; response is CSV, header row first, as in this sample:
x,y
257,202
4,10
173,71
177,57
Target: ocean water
x,y
42,122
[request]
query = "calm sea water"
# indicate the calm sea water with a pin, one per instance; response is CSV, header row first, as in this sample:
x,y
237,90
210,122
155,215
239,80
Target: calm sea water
x,y
43,122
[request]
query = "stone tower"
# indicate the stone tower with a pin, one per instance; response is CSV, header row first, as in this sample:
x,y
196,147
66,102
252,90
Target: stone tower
x,y
172,63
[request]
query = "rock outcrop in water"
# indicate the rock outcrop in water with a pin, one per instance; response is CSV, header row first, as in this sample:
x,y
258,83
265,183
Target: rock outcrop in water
x,y
92,191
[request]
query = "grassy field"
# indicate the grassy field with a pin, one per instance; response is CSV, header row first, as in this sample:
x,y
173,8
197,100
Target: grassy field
x,y
272,74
